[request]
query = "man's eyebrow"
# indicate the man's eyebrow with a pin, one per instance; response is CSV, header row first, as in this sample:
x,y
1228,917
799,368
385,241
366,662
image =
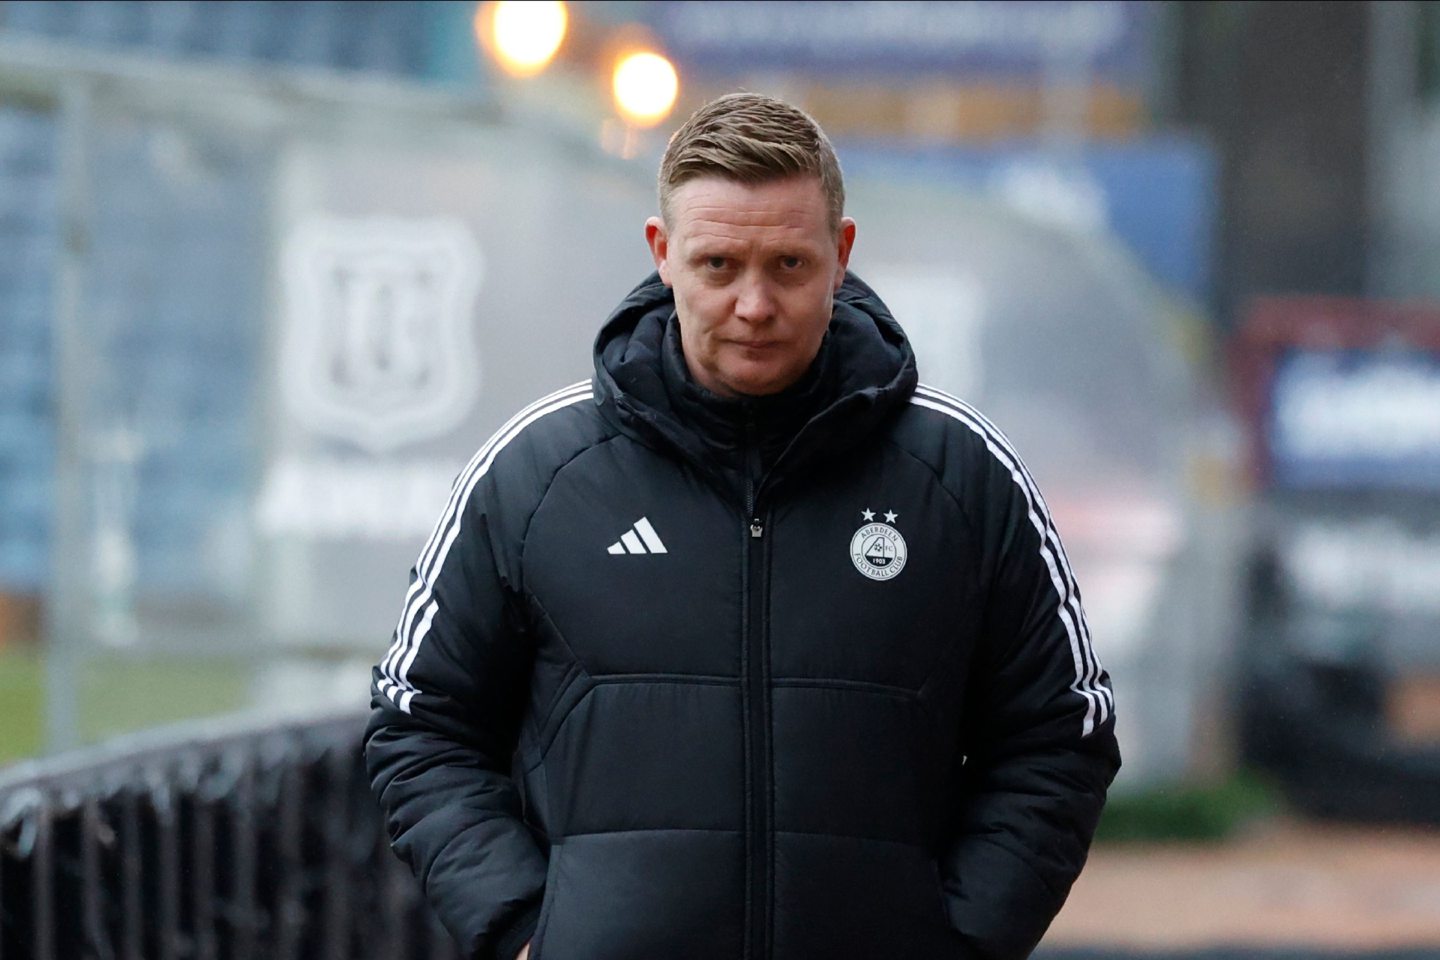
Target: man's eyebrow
x,y
714,245
712,241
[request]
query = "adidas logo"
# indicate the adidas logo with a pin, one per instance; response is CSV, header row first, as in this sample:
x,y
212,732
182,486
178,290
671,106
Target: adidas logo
x,y
640,538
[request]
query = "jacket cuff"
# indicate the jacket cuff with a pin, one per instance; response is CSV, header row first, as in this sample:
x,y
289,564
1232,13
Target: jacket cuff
x,y
512,939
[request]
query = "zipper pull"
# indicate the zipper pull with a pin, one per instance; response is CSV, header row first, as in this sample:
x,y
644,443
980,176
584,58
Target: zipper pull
x,y
757,529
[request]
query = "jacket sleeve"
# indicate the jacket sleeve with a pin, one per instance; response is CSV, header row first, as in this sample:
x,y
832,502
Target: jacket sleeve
x,y
446,705
1038,733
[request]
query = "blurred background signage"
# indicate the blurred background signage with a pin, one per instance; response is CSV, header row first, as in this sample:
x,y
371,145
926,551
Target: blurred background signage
x,y
1111,38
380,349
1343,396
1340,667
1356,419
378,352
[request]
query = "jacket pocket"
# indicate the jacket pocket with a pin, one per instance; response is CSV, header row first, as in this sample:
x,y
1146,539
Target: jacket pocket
x,y
850,898
552,874
647,895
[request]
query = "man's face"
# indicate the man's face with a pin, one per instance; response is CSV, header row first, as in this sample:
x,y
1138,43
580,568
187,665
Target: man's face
x,y
753,269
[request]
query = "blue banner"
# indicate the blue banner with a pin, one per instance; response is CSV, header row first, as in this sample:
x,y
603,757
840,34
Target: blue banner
x,y
1107,38
1353,419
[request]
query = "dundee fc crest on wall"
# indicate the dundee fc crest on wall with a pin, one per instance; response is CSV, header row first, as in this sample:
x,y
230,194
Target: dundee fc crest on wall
x,y
378,348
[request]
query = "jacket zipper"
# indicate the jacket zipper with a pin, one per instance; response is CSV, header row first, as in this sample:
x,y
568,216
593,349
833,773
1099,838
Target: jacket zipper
x,y
757,712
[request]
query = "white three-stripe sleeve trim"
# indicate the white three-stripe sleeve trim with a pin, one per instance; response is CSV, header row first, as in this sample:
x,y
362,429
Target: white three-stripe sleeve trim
x,y
443,534
990,431
419,609
409,632
1090,678
1093,700
1087,683
409,693
1093,668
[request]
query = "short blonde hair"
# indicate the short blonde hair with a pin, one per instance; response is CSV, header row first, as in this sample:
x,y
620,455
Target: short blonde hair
x,y
751,138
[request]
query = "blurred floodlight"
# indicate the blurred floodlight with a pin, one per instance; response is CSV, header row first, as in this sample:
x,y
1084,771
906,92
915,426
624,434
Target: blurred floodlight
x,y
522,36
646,86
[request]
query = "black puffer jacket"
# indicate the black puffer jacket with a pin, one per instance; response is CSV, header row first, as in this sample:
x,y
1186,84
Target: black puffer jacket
x,y
803,678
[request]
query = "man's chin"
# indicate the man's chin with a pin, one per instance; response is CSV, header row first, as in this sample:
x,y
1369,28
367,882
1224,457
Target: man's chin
x,y
759,385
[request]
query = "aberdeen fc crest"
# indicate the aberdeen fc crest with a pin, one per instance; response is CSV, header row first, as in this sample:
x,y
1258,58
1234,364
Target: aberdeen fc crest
x,y
378,347
877,549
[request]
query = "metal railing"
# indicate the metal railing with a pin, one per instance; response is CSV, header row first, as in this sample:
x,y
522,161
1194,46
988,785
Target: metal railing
x,y
262,842
258,842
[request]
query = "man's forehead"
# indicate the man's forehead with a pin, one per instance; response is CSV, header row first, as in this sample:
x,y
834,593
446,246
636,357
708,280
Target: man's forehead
x,y
803,188
716,204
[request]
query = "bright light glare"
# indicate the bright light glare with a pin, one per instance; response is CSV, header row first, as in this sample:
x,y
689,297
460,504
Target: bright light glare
x,y
525,36
646,86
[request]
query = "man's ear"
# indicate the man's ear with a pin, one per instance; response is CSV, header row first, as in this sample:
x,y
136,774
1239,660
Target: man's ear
x,y
846,242
659,243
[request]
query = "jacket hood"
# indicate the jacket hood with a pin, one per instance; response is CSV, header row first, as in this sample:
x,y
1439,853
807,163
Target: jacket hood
x,y
868,373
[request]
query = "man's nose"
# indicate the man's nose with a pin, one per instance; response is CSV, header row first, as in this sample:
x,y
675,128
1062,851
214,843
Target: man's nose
x,y
754,302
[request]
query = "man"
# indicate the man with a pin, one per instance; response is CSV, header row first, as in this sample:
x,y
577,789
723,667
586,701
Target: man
x,y
749,647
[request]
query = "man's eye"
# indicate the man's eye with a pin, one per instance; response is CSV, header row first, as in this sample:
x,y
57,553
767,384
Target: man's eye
x,y
716,263
791,263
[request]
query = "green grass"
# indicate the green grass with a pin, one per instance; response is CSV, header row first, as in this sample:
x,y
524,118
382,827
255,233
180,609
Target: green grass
x,y
1197,813
117,694
22,704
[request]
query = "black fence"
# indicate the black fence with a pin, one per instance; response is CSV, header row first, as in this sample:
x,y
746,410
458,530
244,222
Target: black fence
x,y
262,843
1239,953
224,845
